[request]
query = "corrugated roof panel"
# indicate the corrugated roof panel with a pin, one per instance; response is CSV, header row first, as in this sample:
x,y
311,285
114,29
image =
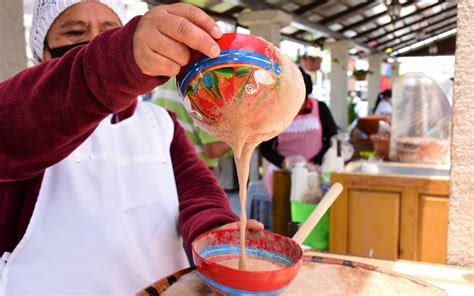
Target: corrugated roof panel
x,y
310,36
374,10
302,2
407,10
350,33
376,33
391,26
383,20
413,18
288,30
330,8
290,6
314,18
350,2
351,19
335,26
425,3
402,31
222,7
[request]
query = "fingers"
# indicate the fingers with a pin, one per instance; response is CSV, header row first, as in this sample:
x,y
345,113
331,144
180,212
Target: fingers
x,y
157,65
170,48
186,32
197,17
254,225
165,34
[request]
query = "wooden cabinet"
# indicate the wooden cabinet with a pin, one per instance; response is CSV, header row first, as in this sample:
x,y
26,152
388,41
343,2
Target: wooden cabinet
x,y
374,235
390,217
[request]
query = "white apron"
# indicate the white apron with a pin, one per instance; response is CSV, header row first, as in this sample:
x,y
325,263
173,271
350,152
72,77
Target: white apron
x,y
106,219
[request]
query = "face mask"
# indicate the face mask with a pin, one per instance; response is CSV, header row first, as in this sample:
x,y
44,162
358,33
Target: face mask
x,y
60,51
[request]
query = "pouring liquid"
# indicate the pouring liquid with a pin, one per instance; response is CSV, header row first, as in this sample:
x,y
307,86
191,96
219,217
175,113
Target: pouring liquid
x,y
243,124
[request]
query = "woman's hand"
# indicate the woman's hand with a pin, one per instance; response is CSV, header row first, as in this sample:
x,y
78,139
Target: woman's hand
x,y
252,225
165,33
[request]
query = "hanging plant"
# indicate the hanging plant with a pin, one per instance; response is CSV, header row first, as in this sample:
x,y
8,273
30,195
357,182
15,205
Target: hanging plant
x,y
361,75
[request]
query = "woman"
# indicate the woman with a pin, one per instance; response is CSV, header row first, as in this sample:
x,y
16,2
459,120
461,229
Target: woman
x,y
308,136
98,191
383,106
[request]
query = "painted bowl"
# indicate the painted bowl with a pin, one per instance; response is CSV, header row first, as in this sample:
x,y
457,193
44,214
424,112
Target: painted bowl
x,y
245,74
213,248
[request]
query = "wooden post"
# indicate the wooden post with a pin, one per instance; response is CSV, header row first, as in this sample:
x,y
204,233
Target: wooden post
x,y
281,202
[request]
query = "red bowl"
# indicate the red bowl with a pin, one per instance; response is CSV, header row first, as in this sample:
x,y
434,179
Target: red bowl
x,y
213,247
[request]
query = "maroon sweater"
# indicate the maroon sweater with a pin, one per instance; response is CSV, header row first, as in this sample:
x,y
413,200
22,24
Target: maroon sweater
x,y
47,111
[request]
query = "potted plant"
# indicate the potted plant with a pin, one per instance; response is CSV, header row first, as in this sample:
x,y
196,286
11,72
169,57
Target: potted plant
x,y
360,74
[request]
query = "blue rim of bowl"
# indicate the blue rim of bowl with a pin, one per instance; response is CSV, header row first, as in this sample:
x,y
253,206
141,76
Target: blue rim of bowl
x,y
228,56
235,292
225,249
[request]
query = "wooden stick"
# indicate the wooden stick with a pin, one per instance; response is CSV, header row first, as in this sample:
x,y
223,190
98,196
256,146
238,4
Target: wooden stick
x,y
318,213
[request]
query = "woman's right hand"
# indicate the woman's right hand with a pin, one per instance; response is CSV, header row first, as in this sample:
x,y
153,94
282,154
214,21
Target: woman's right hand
x,y
165,34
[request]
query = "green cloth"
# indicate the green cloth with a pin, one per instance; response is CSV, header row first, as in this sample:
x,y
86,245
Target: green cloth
x,y
167,97
318,239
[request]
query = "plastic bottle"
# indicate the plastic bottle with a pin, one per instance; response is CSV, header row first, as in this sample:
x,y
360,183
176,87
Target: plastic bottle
x,y
299,181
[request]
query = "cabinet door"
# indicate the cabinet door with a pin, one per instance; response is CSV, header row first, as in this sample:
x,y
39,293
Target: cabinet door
x,y
432,229
373,223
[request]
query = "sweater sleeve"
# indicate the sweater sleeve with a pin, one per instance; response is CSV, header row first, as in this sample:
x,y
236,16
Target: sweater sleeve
x,y
202,203
270,152
329,130
47,111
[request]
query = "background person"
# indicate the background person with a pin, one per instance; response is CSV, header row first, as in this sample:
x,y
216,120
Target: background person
x,y
383,105
208,147
308,136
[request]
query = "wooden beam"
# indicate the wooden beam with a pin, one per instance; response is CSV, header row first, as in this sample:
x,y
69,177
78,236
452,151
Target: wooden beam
x,y
298,21
399,19
303,23
308,7
430,26
427,18
348,12
415,40
314,43
297,32
374,17
230,12
446,46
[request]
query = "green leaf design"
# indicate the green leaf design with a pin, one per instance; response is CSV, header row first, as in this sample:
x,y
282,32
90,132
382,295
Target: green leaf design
x,y
211,85
242,87
205,83
196,107
242,71
227,72
261,97
215,85
193,87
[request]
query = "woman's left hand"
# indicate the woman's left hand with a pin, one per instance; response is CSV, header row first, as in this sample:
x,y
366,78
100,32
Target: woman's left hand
x,y
252,225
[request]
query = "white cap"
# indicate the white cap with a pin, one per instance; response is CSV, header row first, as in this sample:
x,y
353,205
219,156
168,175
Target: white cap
x,y
46,11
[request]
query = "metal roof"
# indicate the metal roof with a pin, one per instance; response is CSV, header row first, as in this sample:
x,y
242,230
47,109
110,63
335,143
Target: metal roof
x,y
368,22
